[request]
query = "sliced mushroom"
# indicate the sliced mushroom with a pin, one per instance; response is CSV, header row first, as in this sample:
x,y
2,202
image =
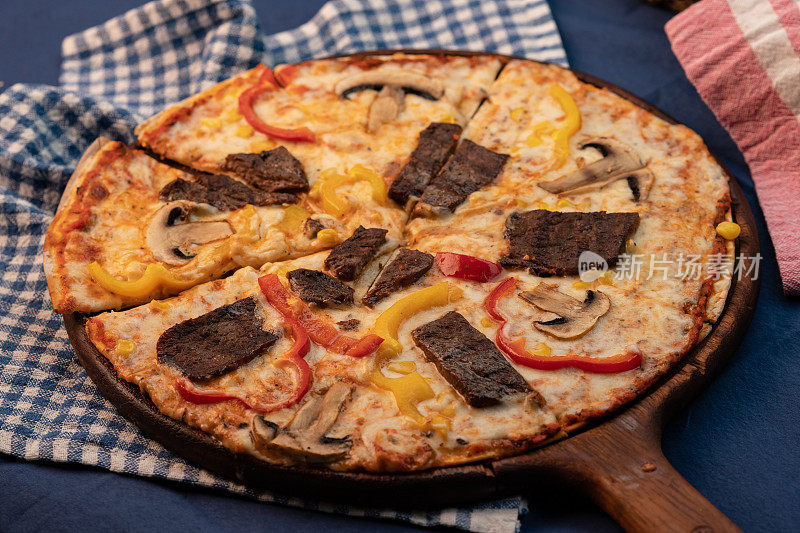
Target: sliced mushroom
x,y
312,226
174,240
575,317
619,161
386,107
305,437
392,85
318,222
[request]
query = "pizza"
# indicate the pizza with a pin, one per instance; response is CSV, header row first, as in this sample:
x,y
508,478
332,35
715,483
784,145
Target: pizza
x,y
390,263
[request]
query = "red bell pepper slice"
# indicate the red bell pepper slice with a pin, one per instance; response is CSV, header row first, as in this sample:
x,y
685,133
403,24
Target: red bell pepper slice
x,y
267,82
286,74
467,267
292,358
189,393
516,351
320,331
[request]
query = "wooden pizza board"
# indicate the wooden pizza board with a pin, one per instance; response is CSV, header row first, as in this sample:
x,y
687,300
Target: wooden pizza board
x,y
617,461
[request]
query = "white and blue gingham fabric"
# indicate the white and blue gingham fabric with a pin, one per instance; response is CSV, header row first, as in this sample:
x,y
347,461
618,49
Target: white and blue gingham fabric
x,y
113,76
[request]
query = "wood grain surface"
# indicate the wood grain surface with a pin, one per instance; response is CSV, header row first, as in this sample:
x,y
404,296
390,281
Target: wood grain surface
x,y
617,461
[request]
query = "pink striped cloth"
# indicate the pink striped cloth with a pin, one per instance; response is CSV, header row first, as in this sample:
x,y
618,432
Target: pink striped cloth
x,y
743,56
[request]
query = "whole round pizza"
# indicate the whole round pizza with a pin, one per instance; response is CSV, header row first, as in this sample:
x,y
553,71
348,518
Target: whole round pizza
x,y
398,262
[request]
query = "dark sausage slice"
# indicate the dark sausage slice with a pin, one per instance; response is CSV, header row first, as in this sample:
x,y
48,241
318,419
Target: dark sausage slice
x,y
272,171
351,324
470,169
222,192
469,361
239,194
217,342
436,144
550,243
406,267
319,288
181,189
348,259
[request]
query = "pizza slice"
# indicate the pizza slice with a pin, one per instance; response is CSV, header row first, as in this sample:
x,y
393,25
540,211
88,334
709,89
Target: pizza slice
x,y
287,364
131,228
351,122
331,113
591,178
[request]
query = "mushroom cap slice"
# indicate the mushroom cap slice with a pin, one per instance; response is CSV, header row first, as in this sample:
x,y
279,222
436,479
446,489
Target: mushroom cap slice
x,y
385,107
576,317
305,436
619,161
177,243
409,80
640,183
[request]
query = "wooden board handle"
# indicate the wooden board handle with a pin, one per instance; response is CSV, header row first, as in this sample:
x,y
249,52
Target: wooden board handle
x,y
620,466
653,496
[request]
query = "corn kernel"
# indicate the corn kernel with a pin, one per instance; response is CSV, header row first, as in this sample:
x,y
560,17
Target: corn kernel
x,y
161,306
440,425
449,119
244,131
232,115
125,347
402,367
486,322
283,271
728,230
563,203
328,173
444,397
542,349
261,146
516,114
454,293
582,285
328,237
540,131
449,411
212,123
544,205
607,278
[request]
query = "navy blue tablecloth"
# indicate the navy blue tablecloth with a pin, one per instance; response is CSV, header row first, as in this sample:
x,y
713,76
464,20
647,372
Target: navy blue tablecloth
x,y
738,443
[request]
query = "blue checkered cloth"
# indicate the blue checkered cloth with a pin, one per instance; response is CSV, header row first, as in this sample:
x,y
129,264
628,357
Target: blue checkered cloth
x,y
113,76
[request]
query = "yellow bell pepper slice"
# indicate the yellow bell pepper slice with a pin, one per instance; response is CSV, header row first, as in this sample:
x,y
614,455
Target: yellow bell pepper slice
x,y
541,130
412,388
336,204
408,391
402,367
516,114
155,276
562,135
293,218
